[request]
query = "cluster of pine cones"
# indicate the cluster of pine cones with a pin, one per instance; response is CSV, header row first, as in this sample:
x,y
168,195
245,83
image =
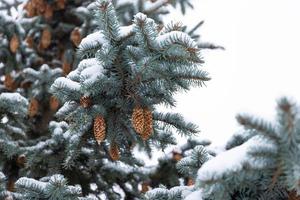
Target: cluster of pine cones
x,y
142,122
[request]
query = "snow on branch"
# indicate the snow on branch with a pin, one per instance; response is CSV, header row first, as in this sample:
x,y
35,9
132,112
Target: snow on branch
x,y
232,160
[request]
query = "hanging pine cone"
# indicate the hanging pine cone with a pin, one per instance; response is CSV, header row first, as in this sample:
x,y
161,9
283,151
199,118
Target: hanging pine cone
x,y
40,6
137,119
85,101
293,195
37,2
45,39
75,36
190,182
48,12
145,187
14,43
99,129
142,121
10,185
30,9
66,67
60,4
26,84
33,107
148,126
29,41
114,152
177,156
9,82
53,103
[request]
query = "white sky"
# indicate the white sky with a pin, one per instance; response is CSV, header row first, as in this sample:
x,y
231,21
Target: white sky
x,y
260,64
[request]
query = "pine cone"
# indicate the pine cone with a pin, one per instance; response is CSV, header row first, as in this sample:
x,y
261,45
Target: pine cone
x,y
138,119
53,103
14,43
114,152
75,36
45,39
177,156
26,84
142,121
40,6
293,195
48,12
148,126
145,187
66,67
33,107
36,2
30,9
60,4
85,101
190,182
9,82
99,128
10,185
29,41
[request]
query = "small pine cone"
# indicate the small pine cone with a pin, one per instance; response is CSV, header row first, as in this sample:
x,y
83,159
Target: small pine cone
x,y
41,6
114,152
45,39
293,195
142,121
37,2
26,84
33,107
177,156
14,43
99,129
53,103
60,4
75,36
137,119
48,12
10,185
190,182
29,41
148,126
30,9
9,83
66,67
145,187
85,101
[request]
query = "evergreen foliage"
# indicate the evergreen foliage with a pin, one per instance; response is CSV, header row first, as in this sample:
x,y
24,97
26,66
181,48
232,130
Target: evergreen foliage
x,y
79,89
134,66
262,164
178,163
126,63
183,174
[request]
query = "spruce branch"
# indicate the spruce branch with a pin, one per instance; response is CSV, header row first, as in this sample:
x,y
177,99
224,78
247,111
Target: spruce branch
x,y
260,125
176,121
